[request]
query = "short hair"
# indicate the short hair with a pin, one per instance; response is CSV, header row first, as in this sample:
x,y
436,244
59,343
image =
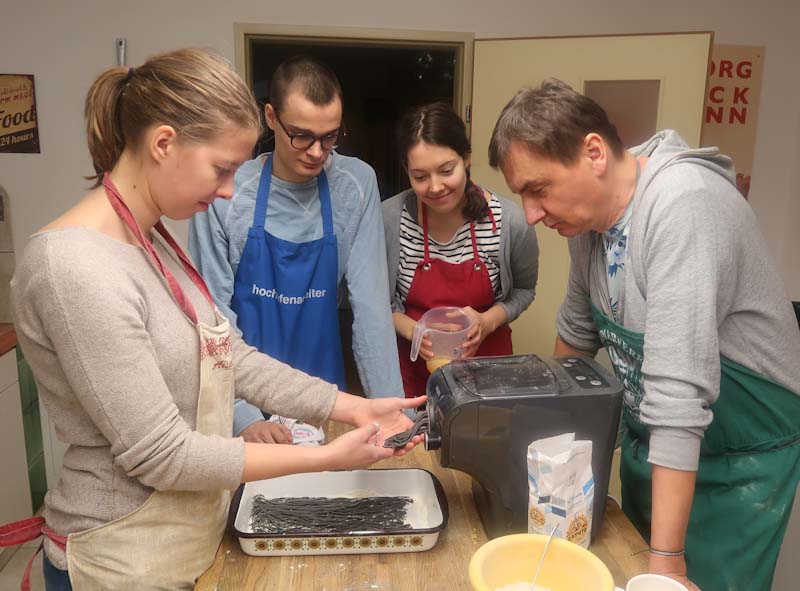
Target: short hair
x,y
551,120
310,76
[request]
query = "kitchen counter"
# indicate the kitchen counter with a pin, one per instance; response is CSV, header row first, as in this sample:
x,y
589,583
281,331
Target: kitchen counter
x,y
8,338
444,567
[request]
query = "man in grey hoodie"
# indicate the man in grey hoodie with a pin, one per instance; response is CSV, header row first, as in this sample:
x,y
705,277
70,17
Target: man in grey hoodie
x,y
670,273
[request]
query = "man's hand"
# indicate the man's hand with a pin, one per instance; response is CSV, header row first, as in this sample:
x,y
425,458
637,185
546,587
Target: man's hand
x,y
673,567
673,493
266,432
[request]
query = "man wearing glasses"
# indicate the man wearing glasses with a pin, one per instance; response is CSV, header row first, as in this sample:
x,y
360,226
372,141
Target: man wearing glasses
x,y
303,221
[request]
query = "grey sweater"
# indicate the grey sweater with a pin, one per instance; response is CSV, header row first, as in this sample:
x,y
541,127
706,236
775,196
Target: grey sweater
x,y
699,282
117,367
519,253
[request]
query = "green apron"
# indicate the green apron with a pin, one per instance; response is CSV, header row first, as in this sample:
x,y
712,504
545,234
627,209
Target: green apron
x,y
748,472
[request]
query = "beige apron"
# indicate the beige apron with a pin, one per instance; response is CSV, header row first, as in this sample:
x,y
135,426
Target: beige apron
x,y
168,542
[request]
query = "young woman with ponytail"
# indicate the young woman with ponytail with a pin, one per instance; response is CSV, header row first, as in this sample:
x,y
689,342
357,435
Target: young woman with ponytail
x,y
452,243
133,361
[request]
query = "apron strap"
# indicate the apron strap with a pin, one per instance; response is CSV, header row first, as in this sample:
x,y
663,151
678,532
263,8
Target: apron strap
x,y
125,214
193,274
25,584
262,195
262,199
427,258
325,203
27,530
475,256
491,217
19,532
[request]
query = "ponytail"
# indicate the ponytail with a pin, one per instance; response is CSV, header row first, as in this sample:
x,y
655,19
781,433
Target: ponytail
x,y
105,135
194,91
475,205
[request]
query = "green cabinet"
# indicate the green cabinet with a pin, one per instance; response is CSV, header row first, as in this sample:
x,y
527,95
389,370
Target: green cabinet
x,y
32,425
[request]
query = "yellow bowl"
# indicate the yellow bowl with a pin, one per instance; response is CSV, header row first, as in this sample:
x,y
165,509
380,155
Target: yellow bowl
x,y
512,559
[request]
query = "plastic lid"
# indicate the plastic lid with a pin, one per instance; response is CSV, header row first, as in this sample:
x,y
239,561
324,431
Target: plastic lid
x,y
517,375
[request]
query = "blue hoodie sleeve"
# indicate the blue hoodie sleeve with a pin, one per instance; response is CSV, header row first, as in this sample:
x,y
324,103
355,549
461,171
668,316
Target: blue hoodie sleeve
x,y
208,246
374,341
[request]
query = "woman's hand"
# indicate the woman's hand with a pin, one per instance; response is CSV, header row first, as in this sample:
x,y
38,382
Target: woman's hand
x,y
357,449
673,567
425,349
483,327
375,421
404,327
388,414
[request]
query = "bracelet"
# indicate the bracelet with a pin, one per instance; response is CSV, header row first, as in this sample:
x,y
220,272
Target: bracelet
x,y
665,553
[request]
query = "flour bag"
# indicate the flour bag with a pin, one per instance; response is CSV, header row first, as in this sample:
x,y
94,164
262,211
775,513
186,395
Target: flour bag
x,y
561,488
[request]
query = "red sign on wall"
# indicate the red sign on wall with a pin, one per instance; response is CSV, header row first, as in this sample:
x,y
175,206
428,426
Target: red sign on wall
x,y
731,110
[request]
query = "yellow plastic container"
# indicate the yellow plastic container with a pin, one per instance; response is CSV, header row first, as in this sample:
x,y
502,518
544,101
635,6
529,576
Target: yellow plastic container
x,y
512,559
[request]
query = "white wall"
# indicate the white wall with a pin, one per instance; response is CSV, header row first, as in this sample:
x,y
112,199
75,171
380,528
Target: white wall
x,y
791,250
66,44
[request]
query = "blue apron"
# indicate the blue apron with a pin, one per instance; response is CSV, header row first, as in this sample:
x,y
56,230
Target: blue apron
x,y
284,293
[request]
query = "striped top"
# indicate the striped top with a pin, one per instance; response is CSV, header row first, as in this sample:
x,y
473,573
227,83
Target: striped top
x,y
457,250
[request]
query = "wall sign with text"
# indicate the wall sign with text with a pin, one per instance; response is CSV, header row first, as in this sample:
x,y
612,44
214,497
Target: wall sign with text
x,y
731,110
19,130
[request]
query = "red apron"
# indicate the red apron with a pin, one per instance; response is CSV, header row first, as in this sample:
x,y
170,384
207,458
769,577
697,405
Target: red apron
x,y
439,283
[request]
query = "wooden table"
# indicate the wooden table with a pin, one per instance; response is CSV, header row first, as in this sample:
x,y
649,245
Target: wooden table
x,y
444,567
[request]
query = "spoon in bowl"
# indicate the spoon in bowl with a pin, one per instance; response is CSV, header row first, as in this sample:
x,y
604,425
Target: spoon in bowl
x,y
541,560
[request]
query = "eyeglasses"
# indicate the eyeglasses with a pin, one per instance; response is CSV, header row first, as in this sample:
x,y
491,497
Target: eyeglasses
x,y
304,141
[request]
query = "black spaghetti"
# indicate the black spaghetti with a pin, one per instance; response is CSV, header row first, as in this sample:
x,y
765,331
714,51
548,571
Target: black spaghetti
x,y
303,515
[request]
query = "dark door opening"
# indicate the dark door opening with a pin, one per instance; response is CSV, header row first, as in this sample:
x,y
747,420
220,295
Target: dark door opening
x,y
380,82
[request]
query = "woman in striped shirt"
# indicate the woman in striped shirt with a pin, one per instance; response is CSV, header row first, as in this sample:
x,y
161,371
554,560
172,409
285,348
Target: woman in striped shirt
x,y
451,243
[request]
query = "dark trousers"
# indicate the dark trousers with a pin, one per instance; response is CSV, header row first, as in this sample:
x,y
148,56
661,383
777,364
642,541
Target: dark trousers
x,y
55,579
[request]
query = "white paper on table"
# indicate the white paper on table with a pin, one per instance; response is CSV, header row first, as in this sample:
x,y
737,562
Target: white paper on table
x,y
302,433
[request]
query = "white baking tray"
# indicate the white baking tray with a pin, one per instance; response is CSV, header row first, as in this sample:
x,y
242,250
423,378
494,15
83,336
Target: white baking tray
x,y
427,515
